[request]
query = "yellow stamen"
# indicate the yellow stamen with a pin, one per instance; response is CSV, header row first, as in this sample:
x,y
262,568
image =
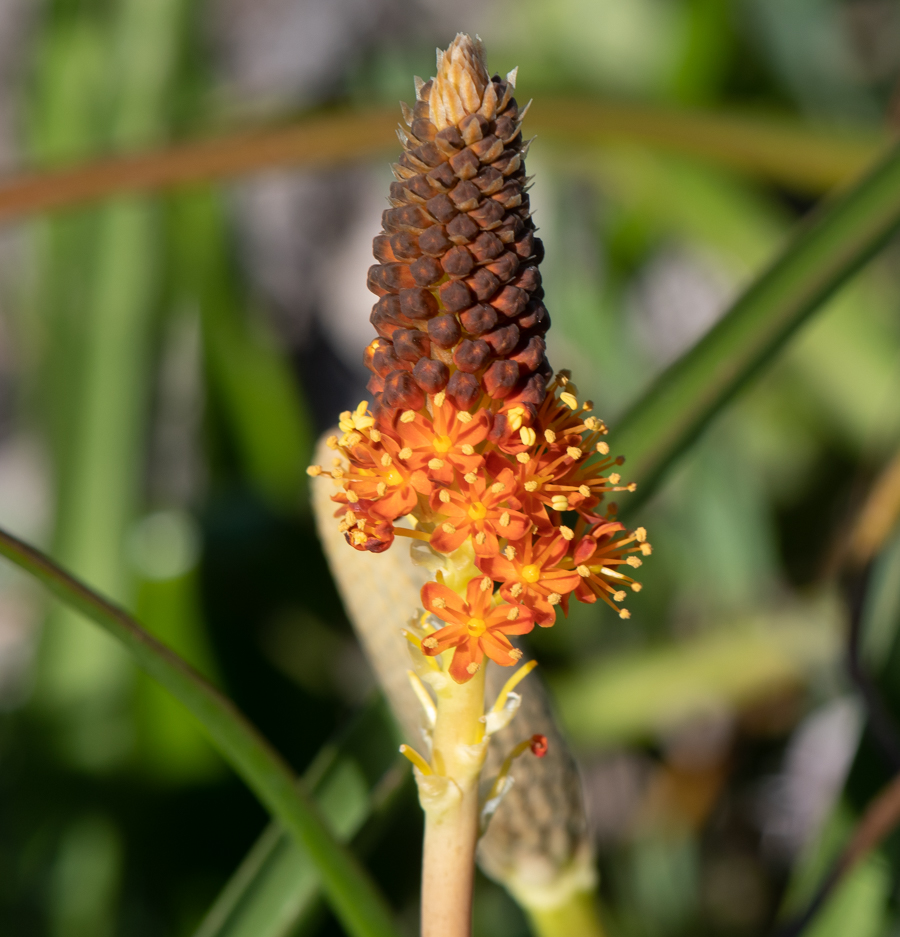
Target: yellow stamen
x,y
407,416
512,683
570,400
464,417
423,697
528,436
416,759
603,448
567,532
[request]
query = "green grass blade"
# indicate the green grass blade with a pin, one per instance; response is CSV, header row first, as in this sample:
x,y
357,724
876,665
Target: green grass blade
x,y
276,888
351,893
830,247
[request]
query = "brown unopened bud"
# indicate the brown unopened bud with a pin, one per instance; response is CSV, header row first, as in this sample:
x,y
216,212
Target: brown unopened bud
x,y
444,331
464,390
478,319
411,344
471,355
431,375
402,392
500,379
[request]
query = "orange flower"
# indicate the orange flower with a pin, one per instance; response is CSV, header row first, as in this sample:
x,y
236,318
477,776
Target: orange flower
x,y
362,531
379,473
473,627
531,574
446,442
484,513
598,557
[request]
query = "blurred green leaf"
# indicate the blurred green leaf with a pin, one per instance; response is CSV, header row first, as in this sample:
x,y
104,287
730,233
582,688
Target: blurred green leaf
x,y
354,898
829,247
636,695
249,372
108,298
276,888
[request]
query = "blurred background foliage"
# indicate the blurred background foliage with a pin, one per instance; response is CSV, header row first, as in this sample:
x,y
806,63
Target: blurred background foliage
x,y
167,360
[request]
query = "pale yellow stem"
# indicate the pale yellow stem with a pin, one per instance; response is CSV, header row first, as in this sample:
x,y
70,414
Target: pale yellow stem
x,y
450,800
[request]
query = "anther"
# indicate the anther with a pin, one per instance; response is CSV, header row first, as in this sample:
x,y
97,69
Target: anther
x,y
523,457
528,436
573,452
468,449
531,486
615,478
431,642
407,416
624,613
439,398
603,448
514,418
584,490
314,471
570,400
619,596
646,549
640,534
550,436
633,561
480,537
438,603
386,460
515,653
592,423
497,487
332,442
375,435
404,453
567,532
352,496
636,587
516,589
513,613
554,598
448,528
464,417
485,584
504,519
470,477
510,553
564,376
381,488
444,496
435,463
472,668
583,571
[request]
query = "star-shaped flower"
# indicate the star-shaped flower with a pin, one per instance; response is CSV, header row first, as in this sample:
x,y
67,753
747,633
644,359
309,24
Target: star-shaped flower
x,y
481,511
530,572
473,627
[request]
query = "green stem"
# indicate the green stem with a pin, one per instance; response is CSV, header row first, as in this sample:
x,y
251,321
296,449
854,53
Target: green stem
x,y
831,245
352,895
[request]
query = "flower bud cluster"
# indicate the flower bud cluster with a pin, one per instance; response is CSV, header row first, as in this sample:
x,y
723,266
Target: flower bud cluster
x,y
472,444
